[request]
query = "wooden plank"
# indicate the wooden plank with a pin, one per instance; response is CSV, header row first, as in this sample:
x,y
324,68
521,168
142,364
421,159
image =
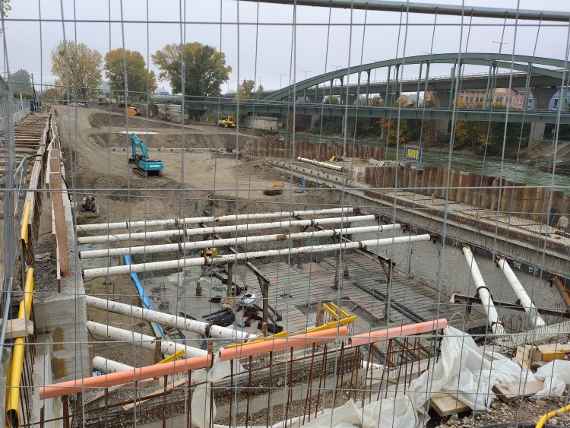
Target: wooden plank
x,y
507,392
562,289
553,351
57,195
19,328
446,404
526,355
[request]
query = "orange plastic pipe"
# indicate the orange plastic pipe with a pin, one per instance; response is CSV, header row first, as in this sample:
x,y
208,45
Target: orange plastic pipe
x,y
282,343
403,330
126,376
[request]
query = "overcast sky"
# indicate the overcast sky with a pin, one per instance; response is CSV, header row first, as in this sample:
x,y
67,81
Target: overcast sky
x,y
274,49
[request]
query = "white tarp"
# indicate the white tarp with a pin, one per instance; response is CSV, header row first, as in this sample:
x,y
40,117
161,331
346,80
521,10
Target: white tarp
x,y
395,413
556,376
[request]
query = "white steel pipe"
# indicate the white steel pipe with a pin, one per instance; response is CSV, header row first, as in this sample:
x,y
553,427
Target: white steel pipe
x,y
162,234
109,366
229,258
197,220
322,164
182,323
143,340
243,240
483,292
524,299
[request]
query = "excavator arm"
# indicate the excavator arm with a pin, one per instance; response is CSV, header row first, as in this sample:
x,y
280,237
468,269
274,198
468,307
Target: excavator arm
x,y
138,146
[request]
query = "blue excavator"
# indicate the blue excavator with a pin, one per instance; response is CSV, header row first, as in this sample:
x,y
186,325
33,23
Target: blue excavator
x,y
139,156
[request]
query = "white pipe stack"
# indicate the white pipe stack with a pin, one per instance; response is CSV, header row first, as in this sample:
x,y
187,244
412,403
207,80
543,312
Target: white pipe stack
x,y
197,220
109,366
163,234
143,340
483,292
524,299
219,243
242,257
328,165
181,323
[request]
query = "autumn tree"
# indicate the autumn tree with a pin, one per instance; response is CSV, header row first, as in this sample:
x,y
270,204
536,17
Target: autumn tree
x,y
140,80
248,90
469,133
21,83
77,68
397,135
53,94
204,67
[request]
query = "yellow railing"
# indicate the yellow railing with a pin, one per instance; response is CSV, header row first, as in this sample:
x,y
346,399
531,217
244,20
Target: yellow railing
x,y
17,361
173,357
24,225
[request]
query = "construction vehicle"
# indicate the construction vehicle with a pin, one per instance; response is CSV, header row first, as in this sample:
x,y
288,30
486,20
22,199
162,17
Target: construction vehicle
x,y
227,122
132,111
139,156
210,252
276,189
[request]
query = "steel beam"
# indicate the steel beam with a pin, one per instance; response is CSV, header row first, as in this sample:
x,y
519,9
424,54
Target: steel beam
x,y
432,8
470,301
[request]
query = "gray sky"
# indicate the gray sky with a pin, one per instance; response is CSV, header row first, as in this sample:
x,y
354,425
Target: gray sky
x,y
274,51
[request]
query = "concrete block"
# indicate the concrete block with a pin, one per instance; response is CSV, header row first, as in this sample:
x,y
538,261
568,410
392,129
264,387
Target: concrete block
x,y
19,328
63,316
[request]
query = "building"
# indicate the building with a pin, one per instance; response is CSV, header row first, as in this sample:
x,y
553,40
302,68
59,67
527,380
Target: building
x,y
501,96
555,100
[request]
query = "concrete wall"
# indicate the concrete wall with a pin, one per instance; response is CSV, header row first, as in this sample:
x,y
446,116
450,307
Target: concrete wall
x,y
60,310
266,123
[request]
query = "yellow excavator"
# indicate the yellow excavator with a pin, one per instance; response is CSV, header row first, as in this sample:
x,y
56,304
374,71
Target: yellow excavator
x,y
227,122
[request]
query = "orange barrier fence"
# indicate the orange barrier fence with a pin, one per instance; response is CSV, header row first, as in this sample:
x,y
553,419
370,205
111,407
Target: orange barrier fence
x,y
236,352
400,331
119,378
282,343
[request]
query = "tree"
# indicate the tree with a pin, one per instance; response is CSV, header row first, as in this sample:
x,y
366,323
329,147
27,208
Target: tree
x,y
52,94
469,132
247,90
21,83
391,129
77,68
7,7
205,68
140,80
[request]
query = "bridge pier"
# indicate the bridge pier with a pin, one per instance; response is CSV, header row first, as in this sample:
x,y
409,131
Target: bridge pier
x,y
536,133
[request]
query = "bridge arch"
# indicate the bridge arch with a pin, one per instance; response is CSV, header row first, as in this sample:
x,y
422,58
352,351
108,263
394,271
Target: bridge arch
x,y
537,66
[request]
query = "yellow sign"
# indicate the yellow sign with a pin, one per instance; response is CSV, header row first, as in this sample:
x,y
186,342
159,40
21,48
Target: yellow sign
x,y
412,153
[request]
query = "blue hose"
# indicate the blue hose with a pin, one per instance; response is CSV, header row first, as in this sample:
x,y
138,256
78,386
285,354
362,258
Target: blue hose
x,y
145,301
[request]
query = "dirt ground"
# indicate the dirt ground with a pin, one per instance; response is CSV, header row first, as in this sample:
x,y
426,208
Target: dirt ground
x,y
524,411
201,171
